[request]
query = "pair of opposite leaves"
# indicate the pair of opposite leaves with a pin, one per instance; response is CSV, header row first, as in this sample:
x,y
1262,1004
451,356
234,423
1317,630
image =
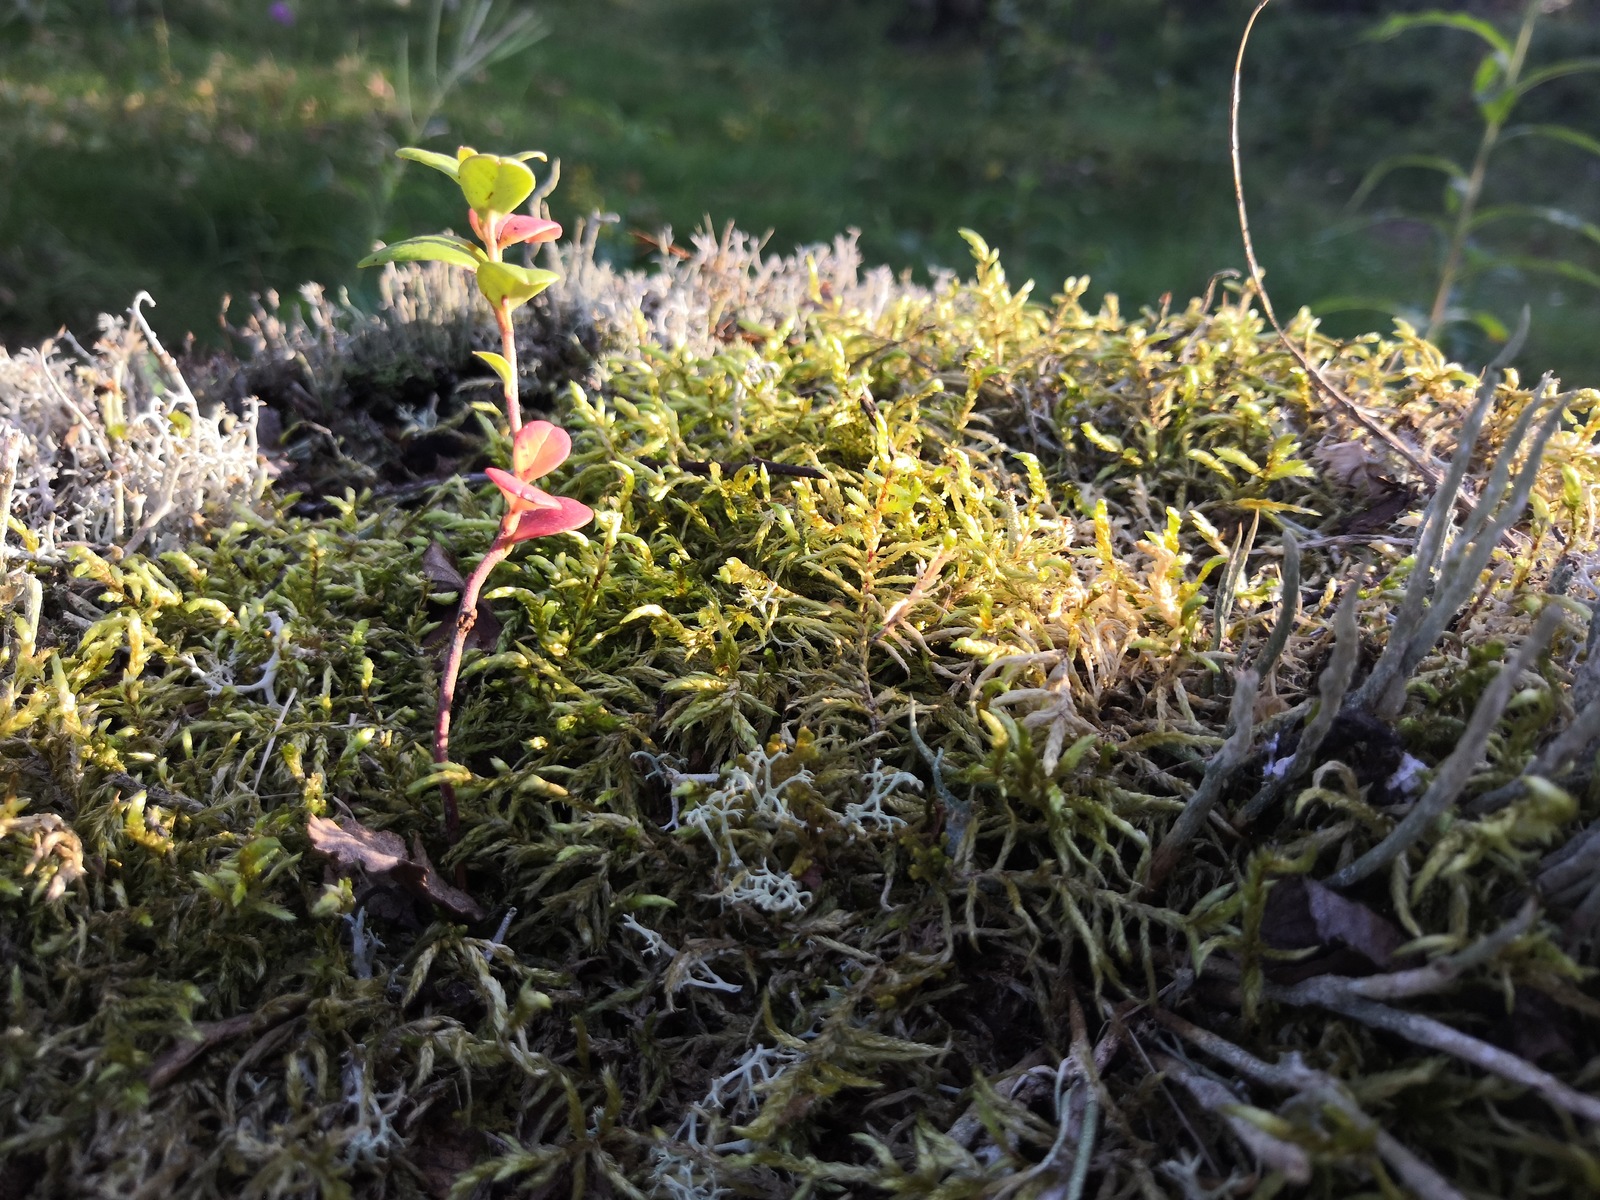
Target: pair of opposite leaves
x,y
493,186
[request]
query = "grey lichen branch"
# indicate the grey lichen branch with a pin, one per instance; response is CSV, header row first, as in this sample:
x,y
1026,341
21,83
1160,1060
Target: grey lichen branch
x,y
1436,1035
1332,686
1293,1075
1433,597
1454,772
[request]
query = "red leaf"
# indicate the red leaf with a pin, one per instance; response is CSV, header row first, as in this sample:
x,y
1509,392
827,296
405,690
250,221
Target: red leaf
x,y
570,514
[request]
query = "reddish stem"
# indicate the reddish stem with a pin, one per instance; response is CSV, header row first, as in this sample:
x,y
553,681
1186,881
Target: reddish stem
x,y
508,351
466,618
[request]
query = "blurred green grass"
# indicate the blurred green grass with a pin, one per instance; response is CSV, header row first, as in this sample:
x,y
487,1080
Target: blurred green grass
x,y
197,147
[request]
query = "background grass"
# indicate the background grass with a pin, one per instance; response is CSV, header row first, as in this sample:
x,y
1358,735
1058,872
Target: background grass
x,y
197,147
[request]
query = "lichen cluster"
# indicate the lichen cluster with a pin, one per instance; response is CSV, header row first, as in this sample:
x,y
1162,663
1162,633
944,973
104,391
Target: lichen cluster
x,y
818,793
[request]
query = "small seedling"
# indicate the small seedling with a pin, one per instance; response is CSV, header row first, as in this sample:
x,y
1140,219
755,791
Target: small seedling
x,y
494,188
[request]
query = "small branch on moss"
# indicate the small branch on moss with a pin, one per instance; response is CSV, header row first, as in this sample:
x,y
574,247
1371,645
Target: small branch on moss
x,y
925,579
1219,772
1436,1035
271,1016
1292,1075
1454,772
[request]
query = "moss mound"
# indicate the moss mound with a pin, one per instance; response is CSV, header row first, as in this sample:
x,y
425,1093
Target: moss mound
x,y
982,748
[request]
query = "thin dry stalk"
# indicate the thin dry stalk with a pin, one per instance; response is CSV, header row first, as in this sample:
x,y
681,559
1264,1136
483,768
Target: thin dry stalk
x,y
1329,389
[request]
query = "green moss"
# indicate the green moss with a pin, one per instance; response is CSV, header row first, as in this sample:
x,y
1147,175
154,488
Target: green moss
x,y
817,785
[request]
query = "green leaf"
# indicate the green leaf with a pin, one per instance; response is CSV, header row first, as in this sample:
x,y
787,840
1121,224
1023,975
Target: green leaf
x,y
1571,487
1404,23
1425,162
1552,266
1560,70
493,184
1555,133
1559,217
1488,74
1212,461
516,285
439,162
432,247
501,367
1274,506
1493,327
1236,456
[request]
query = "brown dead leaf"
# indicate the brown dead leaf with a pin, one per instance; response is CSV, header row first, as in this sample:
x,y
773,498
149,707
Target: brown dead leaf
x,y
1390,501
424,880
352,844
1353,924
1352,939
443,1151
380,853
440,570
1350,464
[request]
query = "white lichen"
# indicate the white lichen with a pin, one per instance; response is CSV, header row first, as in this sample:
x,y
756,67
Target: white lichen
x,y
111,448
869,814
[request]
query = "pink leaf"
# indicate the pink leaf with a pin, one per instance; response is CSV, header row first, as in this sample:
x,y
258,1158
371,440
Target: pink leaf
x,y
519,495
570,514
527,229
539,448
